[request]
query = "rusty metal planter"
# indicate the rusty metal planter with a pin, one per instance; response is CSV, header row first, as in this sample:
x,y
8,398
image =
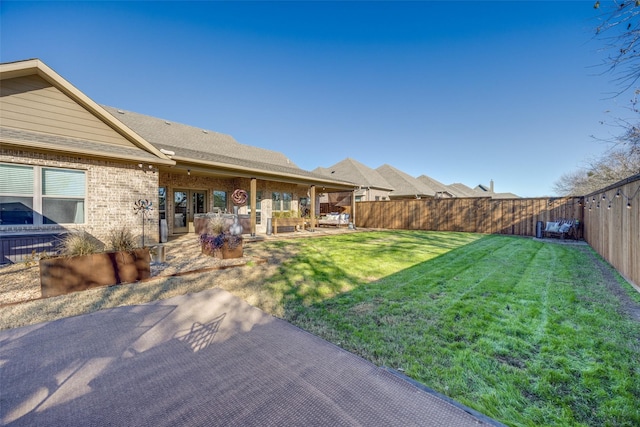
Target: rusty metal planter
x,y
223,252
62,275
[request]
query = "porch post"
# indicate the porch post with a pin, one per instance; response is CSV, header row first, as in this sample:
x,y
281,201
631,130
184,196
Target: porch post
x,y
353,208
312,196
253,205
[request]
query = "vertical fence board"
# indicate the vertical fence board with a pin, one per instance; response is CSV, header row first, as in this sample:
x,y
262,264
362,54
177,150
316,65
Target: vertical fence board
x,y
614,233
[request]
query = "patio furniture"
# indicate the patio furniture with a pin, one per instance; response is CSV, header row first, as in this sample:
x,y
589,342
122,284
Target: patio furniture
x,y
334,219
561,228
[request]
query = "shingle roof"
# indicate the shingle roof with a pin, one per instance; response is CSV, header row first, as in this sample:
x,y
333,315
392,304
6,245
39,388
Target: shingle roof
x,y
461,190
504,196
73,145
404,185
434,184
202,146
354,171
485,191
165,133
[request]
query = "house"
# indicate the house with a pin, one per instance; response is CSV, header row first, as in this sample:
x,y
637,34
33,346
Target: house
x,y
461,190
211,165
68,163
387,182
488,191
404,185
371,185
442,191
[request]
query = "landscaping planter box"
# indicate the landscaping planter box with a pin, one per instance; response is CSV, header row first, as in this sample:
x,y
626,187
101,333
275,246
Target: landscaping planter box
x,y
62,275
224,252
295,223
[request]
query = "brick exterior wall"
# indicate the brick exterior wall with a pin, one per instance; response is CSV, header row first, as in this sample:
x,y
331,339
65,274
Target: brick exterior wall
x,y
114,187
209,184
112,190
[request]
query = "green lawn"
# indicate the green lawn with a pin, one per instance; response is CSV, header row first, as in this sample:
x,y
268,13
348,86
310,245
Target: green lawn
x,y
526,332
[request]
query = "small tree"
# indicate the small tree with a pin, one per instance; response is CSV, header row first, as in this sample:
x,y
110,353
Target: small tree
x,y
620,31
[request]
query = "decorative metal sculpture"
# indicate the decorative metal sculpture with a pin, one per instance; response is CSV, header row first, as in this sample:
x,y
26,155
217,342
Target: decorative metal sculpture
x,y
143,206
239,197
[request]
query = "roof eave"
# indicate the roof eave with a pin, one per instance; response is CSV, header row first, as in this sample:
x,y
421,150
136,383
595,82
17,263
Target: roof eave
x,y
35,66
91,153
244,172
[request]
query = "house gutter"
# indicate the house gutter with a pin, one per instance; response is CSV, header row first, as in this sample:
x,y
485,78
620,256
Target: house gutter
x,y
92,153
226,169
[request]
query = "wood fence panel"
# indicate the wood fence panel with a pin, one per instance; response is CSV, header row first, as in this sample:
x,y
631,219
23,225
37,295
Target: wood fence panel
x,y
484,213
469,217
612,232
424,215
479,215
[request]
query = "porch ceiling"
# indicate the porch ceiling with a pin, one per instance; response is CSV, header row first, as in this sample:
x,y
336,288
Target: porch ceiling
x,y
227,172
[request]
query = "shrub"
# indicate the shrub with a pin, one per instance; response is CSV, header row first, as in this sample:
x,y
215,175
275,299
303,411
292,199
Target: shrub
x,y
285,214
33,259
78,243
122,239
216,225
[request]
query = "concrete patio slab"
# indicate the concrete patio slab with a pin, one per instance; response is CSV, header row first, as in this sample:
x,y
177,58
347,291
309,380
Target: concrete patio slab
x,y
201,359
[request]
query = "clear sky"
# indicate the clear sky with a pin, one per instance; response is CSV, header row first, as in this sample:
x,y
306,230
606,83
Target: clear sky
x,y
460,91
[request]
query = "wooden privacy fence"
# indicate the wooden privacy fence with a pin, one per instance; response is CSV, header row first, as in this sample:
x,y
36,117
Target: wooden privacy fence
x,y
477,215
609,218
612,226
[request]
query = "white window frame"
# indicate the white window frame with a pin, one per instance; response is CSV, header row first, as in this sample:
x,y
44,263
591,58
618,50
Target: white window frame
x,y
38,197
278,201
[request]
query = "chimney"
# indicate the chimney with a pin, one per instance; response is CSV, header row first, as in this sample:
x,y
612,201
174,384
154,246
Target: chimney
x,y
491,186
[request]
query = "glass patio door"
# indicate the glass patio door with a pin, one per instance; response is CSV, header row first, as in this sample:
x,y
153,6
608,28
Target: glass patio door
x,y
187,203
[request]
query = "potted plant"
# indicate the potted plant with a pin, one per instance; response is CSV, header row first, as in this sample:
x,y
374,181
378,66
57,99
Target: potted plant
x,y
218,241
82,265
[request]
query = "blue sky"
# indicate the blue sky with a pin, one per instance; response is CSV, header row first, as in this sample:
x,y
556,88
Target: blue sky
x,y
460,91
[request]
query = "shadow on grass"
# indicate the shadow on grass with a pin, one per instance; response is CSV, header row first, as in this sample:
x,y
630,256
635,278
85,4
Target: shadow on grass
x,y
512,327
518,329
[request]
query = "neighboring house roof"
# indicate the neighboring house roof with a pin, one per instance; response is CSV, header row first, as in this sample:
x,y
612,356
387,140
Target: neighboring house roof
x,y
461,190
487,191
214,150
404,185
66,120
436,185
354,171
504,196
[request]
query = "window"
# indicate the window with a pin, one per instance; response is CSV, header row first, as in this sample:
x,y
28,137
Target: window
x,y
35,195
220,200
281,201
305,206
162,202
16,194
62,196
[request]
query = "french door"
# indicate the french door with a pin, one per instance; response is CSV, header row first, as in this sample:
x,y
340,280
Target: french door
x,y
187,203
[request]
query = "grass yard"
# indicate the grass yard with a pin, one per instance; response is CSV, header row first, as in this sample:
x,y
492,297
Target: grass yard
x,y
526,332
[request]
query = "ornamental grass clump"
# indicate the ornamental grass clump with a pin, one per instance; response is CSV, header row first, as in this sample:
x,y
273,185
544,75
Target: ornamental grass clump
x,y
122,239
78,244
